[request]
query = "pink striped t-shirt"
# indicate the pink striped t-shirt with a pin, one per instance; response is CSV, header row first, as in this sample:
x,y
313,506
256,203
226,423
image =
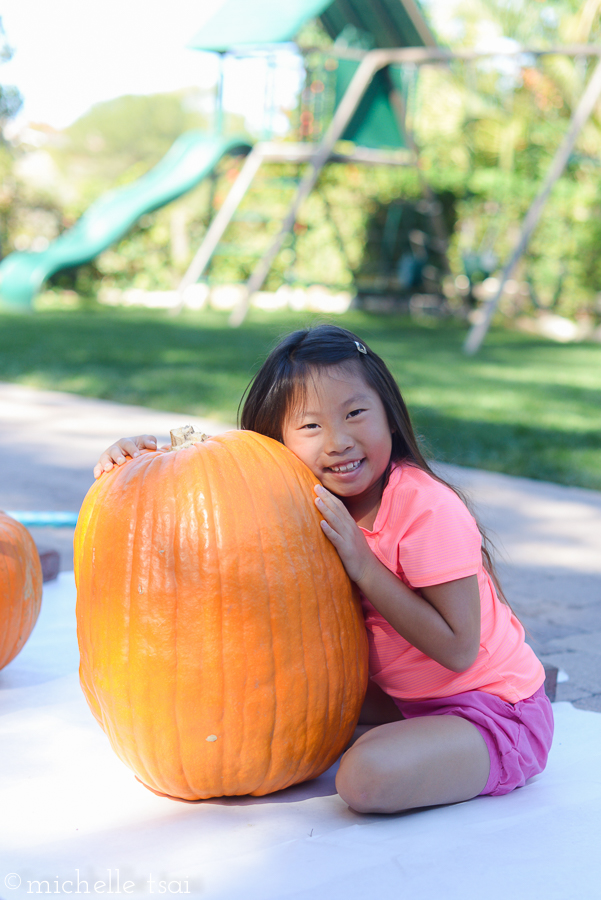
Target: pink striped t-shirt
x,y
426,535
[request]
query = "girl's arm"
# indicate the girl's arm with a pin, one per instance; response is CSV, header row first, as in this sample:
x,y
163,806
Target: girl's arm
x,y
444,622
117,452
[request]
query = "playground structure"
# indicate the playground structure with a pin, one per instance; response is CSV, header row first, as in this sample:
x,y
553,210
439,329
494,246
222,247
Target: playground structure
x,y
192,157
376,128
388,36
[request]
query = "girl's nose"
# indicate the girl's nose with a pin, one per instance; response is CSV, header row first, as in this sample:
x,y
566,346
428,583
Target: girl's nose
x,y
337,441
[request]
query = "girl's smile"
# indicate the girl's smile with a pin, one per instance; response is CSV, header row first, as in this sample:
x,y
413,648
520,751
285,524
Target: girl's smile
x,y
349,467
341,433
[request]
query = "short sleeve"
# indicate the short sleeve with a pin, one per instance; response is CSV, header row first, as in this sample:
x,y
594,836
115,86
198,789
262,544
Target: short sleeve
x,y
440,540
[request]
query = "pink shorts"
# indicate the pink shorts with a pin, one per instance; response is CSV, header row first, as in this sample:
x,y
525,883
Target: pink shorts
x,y
518,736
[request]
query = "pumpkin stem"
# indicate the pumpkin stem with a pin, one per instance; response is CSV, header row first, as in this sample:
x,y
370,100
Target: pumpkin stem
x,y
185,437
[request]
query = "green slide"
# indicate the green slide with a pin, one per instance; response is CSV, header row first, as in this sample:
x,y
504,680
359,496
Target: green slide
x,y
191,158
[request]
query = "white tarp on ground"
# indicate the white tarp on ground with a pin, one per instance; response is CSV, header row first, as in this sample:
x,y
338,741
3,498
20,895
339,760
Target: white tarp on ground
x,y
73,819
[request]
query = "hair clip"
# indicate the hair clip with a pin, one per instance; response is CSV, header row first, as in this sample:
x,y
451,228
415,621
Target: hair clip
x,y
360,348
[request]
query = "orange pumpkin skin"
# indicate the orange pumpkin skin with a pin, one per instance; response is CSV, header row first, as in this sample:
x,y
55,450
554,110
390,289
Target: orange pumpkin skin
x,y
20,587
223,648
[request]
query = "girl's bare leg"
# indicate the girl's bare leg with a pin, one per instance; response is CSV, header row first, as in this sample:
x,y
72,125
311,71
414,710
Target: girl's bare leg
x,y
377,708
412,763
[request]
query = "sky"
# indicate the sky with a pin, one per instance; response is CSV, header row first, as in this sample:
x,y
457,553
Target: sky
x,y
70,54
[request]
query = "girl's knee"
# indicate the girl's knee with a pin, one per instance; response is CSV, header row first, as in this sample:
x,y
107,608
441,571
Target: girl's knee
x,y
361,782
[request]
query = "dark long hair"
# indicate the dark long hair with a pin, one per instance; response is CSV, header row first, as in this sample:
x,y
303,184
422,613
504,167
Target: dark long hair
x,y
280,384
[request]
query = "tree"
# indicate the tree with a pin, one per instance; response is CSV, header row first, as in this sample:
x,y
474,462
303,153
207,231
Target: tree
x,y
10,104
134,129
10,98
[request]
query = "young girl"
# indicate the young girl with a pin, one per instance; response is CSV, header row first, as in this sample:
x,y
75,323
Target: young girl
x,y
456,705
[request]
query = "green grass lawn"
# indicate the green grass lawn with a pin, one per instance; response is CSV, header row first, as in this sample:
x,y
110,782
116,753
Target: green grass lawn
x,y
523,405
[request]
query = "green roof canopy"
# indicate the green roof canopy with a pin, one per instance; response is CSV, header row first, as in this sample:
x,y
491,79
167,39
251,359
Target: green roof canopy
x,y
246,22
391,23
237,23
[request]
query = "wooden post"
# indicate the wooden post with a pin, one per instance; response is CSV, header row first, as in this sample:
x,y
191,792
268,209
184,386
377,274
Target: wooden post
x,y
581,114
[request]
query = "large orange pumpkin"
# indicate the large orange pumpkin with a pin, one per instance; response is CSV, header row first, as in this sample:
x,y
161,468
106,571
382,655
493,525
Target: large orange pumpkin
x,y
223,649
20,587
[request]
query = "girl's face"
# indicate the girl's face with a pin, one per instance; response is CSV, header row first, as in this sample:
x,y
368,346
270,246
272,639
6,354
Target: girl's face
x,y
342,434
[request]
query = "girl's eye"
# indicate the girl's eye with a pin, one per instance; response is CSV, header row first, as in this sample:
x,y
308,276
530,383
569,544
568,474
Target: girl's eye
x,y
355,412
311,425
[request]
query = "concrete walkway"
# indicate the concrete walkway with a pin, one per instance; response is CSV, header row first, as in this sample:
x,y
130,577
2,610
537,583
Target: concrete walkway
x,y
548,536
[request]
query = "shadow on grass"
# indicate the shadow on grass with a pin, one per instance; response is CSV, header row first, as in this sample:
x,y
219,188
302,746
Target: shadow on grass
x,y
515,449
523,406
150,360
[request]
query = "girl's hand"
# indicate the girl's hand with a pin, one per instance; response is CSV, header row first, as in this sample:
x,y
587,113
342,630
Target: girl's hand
x,y
117,453
442,620
341,529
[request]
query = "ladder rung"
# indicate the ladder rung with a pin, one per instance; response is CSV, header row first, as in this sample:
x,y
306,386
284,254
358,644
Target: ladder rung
x,y
251,217
280,182
236,250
